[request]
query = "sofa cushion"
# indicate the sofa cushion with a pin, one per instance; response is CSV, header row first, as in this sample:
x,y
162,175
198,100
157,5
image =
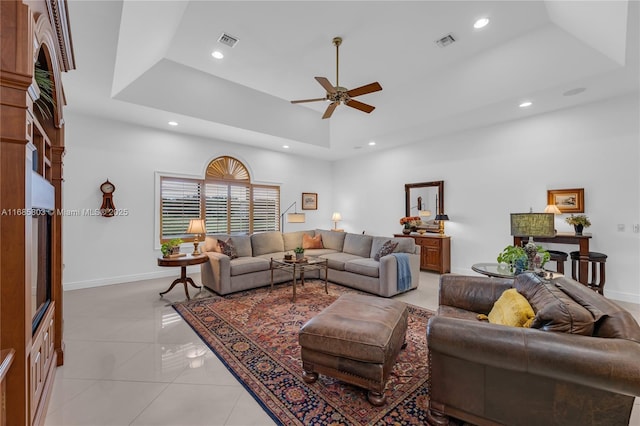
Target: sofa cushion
x,y
246,265
358,244
512,309
555,310
332,239
612,321
311,242
405,245
364,266
227,248
387,248
266,242
337,260
242,243
294,239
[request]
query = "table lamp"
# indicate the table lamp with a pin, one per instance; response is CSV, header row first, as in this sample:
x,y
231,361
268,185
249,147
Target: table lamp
x,y
532,225
197,227
336,217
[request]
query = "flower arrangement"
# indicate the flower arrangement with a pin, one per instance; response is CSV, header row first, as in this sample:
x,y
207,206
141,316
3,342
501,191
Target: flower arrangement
x,y
410,221
579,219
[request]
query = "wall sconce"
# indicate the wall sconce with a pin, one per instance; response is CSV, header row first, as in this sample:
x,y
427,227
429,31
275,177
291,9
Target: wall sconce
x,y
292,217
197,227
336,217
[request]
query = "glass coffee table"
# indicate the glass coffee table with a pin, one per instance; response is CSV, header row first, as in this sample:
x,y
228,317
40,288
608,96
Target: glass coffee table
x,y
501,270
298,268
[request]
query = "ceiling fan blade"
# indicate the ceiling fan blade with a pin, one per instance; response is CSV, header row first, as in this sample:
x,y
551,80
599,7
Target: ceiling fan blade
x,y
363,90
330,109
308,100
326,84
359,105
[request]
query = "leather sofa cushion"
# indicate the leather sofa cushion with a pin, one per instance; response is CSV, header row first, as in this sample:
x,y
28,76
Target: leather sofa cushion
x,y
332,239
246,265
612,321
267,242
358,244
356,327
555,310
366,266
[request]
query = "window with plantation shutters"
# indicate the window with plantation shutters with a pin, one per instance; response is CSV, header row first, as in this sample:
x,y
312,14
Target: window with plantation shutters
x,y
226,199
266,208
181,202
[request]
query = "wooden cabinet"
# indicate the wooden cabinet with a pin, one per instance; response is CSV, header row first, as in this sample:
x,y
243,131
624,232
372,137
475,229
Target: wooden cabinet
x,y
435,251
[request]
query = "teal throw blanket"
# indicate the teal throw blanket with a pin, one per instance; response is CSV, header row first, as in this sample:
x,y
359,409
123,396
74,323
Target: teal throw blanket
x,y
404,271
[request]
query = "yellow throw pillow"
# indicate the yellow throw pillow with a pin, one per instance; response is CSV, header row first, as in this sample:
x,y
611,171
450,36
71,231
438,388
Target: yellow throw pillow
x,y
512,309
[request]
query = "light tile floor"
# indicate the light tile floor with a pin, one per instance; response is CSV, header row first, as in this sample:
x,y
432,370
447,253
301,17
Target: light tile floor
x,y
130,359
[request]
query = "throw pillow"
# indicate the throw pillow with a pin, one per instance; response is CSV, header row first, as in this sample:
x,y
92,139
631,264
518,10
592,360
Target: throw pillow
x,y
211,244
387,248
512,309
309,242
227,248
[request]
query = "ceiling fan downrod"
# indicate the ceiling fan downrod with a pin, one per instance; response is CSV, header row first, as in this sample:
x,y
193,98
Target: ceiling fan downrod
x,y
337,41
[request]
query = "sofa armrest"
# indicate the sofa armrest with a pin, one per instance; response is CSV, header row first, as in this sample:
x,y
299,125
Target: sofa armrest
x,y
475,294
601,363
216,273
388,274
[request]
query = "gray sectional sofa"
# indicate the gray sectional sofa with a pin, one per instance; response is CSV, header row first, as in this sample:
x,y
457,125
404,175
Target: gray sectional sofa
x,y
350,261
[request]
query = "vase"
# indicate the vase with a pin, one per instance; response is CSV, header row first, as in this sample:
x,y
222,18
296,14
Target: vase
x,y
578,229
406,231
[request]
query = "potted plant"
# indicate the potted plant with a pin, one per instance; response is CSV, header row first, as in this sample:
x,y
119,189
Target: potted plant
x,y
171,247
299,251
579,222
517,260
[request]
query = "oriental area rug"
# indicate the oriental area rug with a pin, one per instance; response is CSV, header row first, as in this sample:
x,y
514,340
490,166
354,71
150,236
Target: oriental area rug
x,y
255,334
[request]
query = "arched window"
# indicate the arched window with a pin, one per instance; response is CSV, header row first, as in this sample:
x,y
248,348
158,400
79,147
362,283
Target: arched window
x,y
226,198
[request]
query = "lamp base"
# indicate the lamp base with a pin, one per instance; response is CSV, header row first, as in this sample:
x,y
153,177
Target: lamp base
x,y
195,248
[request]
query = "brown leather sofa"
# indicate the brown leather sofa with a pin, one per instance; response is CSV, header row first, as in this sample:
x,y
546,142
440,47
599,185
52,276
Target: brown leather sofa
x,y
580,365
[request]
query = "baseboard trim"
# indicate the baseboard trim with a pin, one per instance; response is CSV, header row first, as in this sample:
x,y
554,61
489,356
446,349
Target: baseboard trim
x,y
99,282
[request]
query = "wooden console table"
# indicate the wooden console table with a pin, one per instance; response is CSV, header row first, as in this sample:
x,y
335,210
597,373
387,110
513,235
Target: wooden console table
x,y
582,241
435,251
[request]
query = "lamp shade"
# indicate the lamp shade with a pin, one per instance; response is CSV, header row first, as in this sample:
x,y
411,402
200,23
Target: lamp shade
x,y
532,225
196,226
552,208
442,217
335,217
295,218
424,213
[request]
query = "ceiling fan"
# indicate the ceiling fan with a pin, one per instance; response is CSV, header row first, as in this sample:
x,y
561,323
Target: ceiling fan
x,y
337,94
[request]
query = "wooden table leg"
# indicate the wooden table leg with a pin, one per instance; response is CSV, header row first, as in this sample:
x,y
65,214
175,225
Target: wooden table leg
x,y
583,262
184,279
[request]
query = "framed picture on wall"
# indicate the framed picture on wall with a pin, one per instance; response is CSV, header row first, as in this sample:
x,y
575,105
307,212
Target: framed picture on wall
x,y
567,200
309,201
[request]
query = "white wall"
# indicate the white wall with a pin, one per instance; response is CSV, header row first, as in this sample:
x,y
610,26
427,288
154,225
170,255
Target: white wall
x,y
98,250
507,168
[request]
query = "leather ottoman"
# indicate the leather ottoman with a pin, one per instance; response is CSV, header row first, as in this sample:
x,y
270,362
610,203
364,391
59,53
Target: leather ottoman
x,y
356,339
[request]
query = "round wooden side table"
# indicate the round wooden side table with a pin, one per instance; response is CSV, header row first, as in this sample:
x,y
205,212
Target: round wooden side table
x,y
182,262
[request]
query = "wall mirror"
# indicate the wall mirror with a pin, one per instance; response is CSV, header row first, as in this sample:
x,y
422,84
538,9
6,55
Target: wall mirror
x,y
426,200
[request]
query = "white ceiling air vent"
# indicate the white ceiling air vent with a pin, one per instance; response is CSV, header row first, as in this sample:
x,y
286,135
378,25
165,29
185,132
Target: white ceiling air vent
x,y
446,41
228,40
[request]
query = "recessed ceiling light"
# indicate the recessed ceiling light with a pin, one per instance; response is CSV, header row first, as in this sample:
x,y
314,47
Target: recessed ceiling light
x,y
372,143
172,123
525,104
481,23
285,146
217,54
